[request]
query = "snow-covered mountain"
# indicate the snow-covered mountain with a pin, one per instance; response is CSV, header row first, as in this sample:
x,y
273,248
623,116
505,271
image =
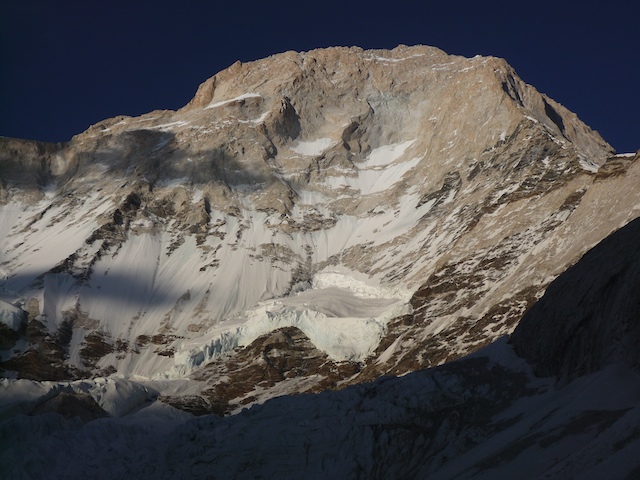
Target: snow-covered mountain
x,y
308,222
485,416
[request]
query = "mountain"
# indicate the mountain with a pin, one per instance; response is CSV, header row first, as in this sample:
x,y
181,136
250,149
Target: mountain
x,y
311,222
488,415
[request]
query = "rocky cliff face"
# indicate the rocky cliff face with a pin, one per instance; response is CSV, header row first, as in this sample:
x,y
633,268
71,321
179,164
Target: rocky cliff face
x,y
311,219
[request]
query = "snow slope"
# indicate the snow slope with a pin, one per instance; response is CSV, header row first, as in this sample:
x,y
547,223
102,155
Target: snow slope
x,y
483,417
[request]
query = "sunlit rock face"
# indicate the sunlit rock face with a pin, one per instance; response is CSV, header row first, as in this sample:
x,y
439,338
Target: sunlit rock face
x,y
307,221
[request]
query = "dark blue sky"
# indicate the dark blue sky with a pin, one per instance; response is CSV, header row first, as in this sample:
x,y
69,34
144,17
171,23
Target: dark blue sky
x,y
67,64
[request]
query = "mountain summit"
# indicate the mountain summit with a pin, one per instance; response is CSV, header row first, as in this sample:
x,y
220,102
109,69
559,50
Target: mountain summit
x,y
308,221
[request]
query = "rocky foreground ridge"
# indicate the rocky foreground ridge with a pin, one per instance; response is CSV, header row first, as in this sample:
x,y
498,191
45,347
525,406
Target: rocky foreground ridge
x,y
307,222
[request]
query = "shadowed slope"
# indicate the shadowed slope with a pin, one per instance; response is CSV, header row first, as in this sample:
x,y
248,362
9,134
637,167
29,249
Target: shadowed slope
x,y
590,316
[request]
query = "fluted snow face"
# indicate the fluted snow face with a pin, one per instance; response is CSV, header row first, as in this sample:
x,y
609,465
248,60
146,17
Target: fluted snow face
x,y
399,207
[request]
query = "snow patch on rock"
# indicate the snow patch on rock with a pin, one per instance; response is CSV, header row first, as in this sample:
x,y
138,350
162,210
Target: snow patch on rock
x,y
244,96
379,172
313,147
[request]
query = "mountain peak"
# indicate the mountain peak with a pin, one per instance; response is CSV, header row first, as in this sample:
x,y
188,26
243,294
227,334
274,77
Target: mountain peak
x,y
400,208
422,75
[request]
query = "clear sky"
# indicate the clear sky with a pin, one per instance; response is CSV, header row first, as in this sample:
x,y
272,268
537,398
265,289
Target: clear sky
x,y
67,64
